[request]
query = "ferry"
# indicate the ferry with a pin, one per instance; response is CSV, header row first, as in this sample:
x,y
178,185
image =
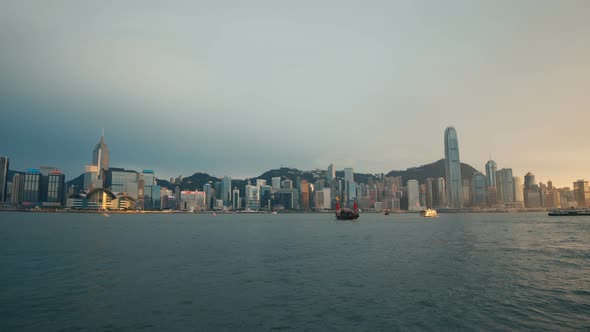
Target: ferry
x,y
571,212
429,213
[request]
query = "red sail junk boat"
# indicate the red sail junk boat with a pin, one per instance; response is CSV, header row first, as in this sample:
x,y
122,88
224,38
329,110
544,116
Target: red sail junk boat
x,y
347,214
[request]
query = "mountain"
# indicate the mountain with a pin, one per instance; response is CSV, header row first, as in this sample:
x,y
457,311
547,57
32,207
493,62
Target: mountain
x,y
197,180
432,170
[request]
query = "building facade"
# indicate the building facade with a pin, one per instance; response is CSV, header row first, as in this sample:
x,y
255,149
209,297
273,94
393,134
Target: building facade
x,y
453,169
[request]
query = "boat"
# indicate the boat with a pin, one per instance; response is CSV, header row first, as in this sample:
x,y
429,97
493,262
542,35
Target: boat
x,y
570,212
386,212
429,213
347,214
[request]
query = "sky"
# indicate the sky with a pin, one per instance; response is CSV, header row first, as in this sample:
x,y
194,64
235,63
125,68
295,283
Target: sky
x,y
240,87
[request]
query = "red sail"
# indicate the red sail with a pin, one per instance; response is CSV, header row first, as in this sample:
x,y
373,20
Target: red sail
x,y
337,206
356,206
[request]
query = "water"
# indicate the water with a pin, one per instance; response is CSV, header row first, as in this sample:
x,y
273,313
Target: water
x,y
67,272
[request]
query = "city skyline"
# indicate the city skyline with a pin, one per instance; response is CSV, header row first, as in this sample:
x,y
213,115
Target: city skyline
x,y
180,92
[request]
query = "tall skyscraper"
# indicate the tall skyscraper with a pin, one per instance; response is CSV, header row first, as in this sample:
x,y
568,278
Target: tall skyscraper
x,y
4,163
100,157
331,174
491,169
413,196
478,184
276,183
505,185
453,169
349,174
226,191
518,190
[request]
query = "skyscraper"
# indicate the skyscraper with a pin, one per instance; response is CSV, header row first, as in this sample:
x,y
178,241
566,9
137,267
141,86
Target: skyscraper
x,y
413,196
331,174
4,163
226,191
478,184
100,157
505,185
349,174
453,169
491,169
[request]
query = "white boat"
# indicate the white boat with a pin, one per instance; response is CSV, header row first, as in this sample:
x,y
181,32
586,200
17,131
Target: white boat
x,y
429,213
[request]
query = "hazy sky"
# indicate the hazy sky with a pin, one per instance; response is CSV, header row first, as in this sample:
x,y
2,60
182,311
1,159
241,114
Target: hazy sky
x,y
239,87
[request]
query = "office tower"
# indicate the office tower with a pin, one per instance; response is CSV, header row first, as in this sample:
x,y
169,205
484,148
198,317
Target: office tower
x,y
260,182
53,188
440,193
413,195
209,196
422,195
304,195
505,185
582,193
226,191
318,201
149,181
331,174
91,180
100,157
4,164
327,198
265,193
518,190
120,180
276,183
349,174
192,200
429,193
491,169
478,184
466,190
252,198
453,169
529,181
32,179
17,189
217,187
287,184
236,199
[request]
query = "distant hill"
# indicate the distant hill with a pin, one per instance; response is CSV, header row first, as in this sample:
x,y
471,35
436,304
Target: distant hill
x,y
433,170
199,179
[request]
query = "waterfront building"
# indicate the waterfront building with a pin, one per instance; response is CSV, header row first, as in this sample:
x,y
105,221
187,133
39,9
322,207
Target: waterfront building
x,y
91,180
453,169
120,180
209,195
226,191
32,179
582,193
439,193
265,193
319,200
327,198
287,184
413,196
53,189
518,190
466,192
149,181
260,182
304,195
16,193
478,185
491,169
100,157
236,200
429,184
192,200
276,183
252,198
505,185
331,174
349,174
4,166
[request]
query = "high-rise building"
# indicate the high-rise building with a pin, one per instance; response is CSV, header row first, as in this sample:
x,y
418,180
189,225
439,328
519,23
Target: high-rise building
x,y
120,180
331,174
100,157
287,184
453,169
149,181
349,174
491,169
327,198
518,190
478,184
192,200
505,185
276,183
413,195
53,189
260,182
252,198
226,191
91,180
265,193
466,192
429,193
32,179
4,164
209,197
236,199
582,193
17,189
304,195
